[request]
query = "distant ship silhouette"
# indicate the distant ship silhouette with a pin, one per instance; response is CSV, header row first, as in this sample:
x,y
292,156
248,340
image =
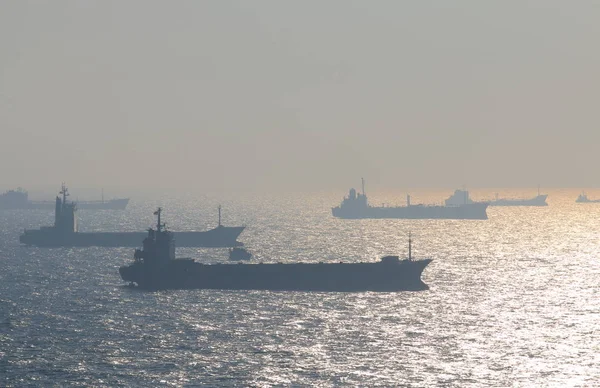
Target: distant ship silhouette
x,y
19,199
583,198
64,232
462,197
355,206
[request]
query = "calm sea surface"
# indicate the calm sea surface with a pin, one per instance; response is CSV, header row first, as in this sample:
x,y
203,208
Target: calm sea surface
x,y
513,301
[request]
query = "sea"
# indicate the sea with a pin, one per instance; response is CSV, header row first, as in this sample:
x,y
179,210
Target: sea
x,y
513,301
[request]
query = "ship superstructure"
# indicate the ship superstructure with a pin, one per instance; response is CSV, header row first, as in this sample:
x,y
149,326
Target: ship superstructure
x,y
356,206
156,268
65,218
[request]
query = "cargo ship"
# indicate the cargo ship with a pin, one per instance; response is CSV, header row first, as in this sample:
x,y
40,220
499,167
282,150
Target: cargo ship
x,y
155,267
64,232
19,199
356,206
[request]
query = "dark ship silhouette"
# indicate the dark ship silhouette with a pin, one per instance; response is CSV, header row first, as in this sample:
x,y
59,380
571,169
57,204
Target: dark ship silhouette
x,y
19,199
462,197
156,268
64,232
355,206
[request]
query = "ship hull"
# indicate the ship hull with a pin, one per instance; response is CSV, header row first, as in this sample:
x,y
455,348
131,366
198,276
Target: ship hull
x,y
222,236
540,200
339,277
475,211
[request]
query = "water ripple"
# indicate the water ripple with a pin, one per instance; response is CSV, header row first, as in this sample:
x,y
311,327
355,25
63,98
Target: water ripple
x,y
513,301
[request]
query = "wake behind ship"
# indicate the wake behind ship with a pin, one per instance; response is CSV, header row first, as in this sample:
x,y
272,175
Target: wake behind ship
x,y
355,206
64,232
156,268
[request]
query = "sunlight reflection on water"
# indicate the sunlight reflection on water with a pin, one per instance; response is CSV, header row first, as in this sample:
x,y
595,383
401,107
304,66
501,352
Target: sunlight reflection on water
x,y
513,300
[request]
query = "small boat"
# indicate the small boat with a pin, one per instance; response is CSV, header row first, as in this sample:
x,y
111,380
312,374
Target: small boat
x,y
238,254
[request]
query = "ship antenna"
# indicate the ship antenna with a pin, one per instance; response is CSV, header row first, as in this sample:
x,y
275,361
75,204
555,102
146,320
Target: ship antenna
x,y
103,195
363,185
409,246
219,215
65,192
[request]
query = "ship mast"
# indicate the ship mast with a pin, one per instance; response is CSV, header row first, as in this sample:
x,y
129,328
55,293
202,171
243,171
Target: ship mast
x,y
409,246
363,185
219,215
65,192
158,224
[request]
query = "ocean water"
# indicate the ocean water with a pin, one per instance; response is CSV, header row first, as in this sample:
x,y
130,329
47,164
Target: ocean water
x,y
513,301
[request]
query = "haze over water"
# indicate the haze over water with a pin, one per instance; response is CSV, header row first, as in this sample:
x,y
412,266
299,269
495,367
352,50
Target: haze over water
x,y
273,109
513,301
271,95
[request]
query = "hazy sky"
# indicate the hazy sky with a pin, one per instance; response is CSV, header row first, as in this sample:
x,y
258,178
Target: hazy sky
x,y
223,95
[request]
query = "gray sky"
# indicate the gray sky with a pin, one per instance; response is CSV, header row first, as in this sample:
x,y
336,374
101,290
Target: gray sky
x,y
229,95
